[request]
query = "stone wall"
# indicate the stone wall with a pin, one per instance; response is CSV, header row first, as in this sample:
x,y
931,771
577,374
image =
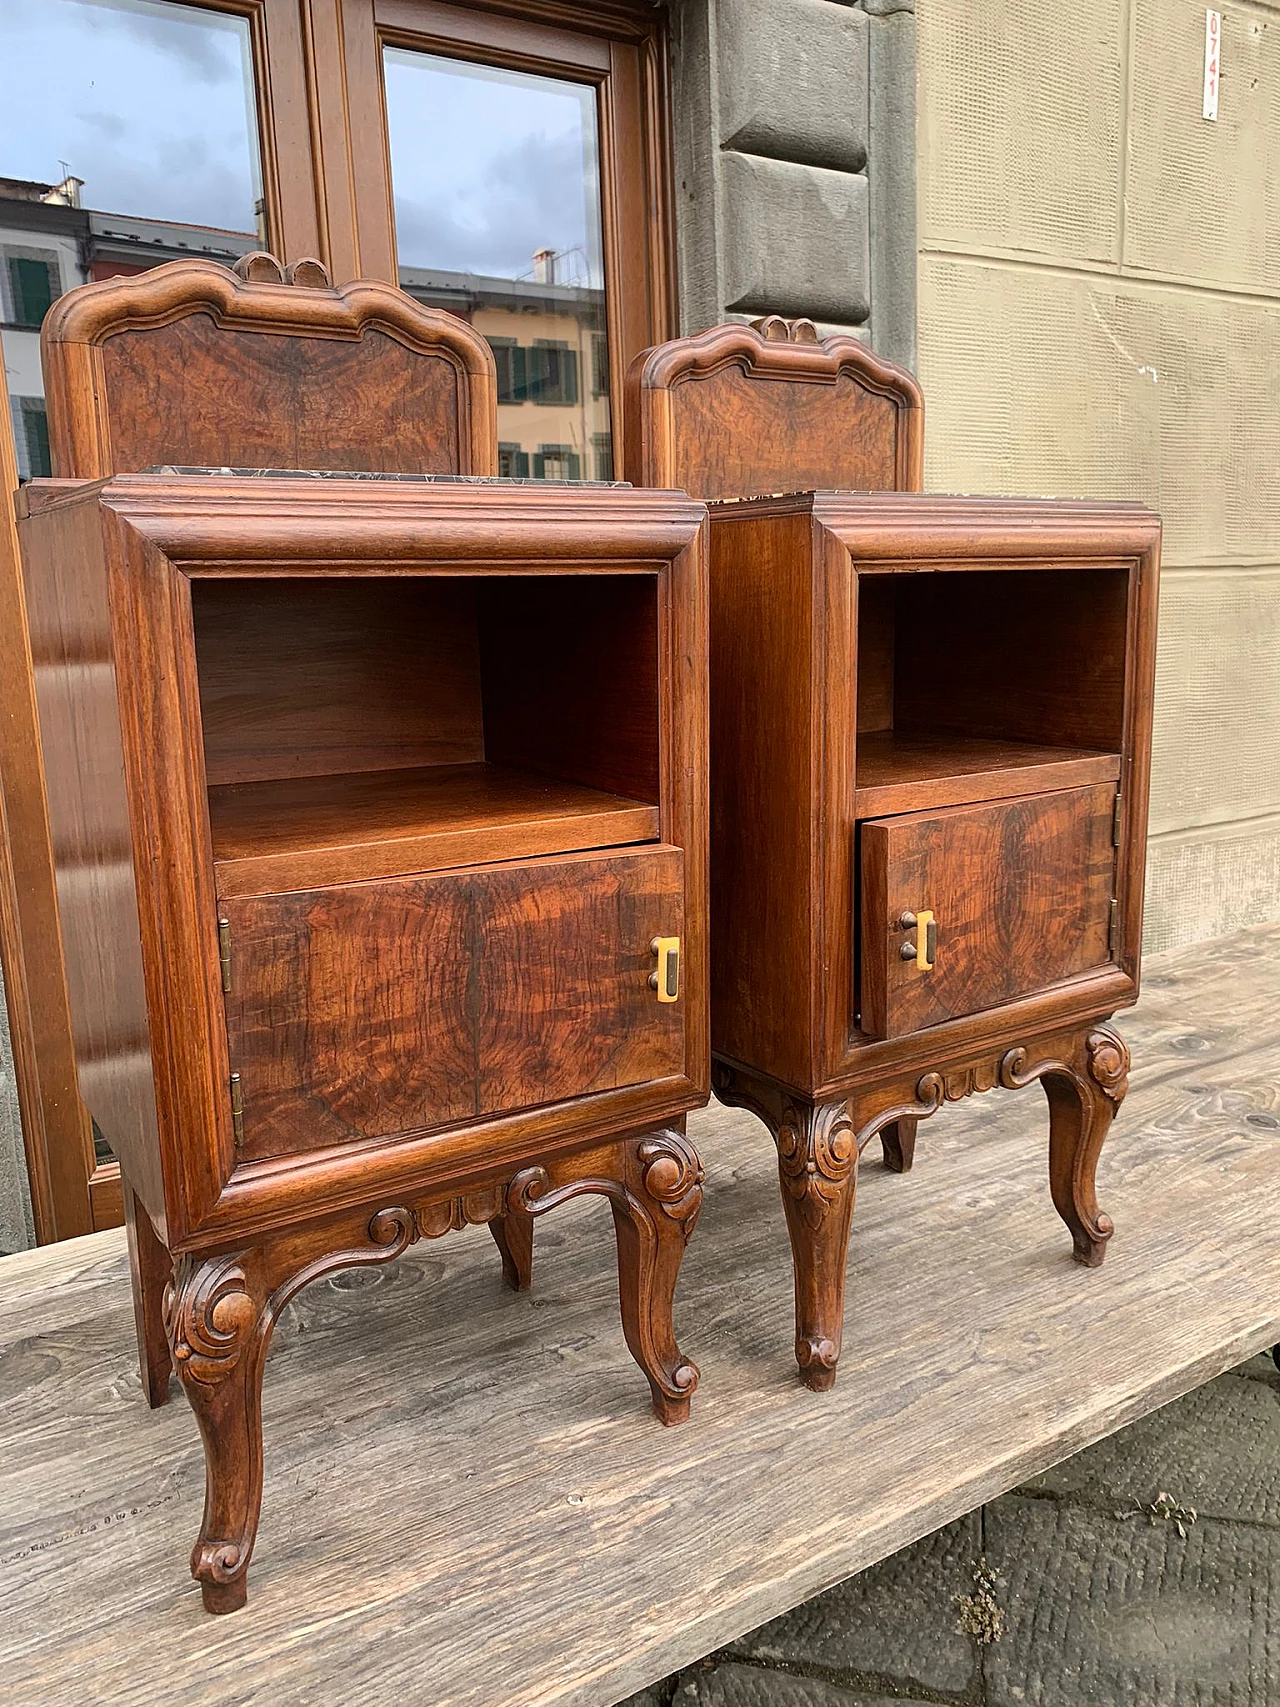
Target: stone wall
x,y
1100,315
795,164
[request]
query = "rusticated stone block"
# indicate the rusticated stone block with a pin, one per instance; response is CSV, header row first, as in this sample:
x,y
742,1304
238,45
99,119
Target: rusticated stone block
x,y
793,81
796,240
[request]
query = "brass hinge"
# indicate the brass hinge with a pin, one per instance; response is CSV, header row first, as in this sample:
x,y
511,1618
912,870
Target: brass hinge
x,y
1116,815
224,953
1113,927
237,1110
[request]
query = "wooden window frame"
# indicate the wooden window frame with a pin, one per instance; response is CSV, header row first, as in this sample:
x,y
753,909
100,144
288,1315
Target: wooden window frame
x,y
620,50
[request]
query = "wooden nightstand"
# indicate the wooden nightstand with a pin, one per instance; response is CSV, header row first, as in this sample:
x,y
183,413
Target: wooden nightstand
x,y
380,809
931,728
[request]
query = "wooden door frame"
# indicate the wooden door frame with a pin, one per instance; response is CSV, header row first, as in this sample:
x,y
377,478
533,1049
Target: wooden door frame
x,y
327,193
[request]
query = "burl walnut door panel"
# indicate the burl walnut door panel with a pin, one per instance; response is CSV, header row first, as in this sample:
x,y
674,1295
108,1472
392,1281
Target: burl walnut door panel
x,y
1020,893
371,1009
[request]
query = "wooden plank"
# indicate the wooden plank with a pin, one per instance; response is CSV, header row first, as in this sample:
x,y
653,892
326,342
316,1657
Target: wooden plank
x,y
464,1486
306,832
909,772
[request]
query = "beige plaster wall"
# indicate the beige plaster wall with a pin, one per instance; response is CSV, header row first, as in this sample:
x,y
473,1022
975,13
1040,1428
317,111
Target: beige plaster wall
x,y
1099,314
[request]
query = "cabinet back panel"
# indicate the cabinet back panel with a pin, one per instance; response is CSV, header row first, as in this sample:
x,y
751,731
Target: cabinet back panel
x,y
254,400
1028,657
571,679
314,677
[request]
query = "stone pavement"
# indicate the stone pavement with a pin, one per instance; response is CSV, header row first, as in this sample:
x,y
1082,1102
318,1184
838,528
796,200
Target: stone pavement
x,y
1144,1572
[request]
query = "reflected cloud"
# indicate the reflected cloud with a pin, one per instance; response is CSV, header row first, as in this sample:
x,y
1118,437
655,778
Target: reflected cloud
x,y
151,105
529,197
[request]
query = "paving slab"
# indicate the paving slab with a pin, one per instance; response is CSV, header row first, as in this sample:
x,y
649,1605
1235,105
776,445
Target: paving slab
x,y
897,1623
1261,1368
1111,1612
1216,1450
733,1685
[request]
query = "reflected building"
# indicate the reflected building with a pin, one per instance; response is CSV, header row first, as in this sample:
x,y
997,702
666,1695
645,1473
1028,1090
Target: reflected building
x,y
549,339
552,354
50,243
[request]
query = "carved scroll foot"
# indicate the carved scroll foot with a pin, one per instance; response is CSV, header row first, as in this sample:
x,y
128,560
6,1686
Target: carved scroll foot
x,y
1084,1092
818,1170
654,1187
654,1221
513,1234
899,1141
219,1314
150,1268
220,1324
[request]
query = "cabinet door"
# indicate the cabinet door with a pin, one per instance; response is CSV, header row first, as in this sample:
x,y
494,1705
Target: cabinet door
x,y
1020,892
372,1009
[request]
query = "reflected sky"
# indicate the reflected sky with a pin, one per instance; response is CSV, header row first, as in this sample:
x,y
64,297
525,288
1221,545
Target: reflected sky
x,y
149,103
489,166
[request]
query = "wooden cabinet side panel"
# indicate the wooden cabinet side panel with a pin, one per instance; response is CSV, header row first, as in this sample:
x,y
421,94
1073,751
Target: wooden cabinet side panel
x,y
763,793
92,834
571,678
1135,785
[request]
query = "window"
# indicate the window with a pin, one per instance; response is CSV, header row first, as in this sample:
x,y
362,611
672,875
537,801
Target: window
x,y
31,437
512,371
599,365
33,288
147,109
553,373
504,159
497,183
557,462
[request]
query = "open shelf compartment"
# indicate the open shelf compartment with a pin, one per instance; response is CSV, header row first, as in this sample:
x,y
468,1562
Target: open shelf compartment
x,y
375,727
982,685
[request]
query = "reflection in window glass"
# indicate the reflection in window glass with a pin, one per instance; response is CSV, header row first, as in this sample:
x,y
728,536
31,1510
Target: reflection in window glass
x,y
497,196
128,136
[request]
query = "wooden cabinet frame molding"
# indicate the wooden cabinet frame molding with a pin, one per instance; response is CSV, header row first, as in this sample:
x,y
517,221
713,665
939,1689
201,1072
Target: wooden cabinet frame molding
x,y
326,192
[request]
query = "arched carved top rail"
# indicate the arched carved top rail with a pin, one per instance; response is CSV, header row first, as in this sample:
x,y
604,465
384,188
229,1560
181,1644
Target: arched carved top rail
x,y
263,366
743,410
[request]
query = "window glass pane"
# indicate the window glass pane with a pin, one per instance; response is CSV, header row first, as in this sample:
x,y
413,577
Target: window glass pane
x,y
497,195
128,136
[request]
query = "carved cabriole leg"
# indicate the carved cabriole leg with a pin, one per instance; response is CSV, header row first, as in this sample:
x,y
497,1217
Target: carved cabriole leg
x,y
654,1187
150,1267
513,1234
899,1142
220,1312
818,1172
1085,1089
